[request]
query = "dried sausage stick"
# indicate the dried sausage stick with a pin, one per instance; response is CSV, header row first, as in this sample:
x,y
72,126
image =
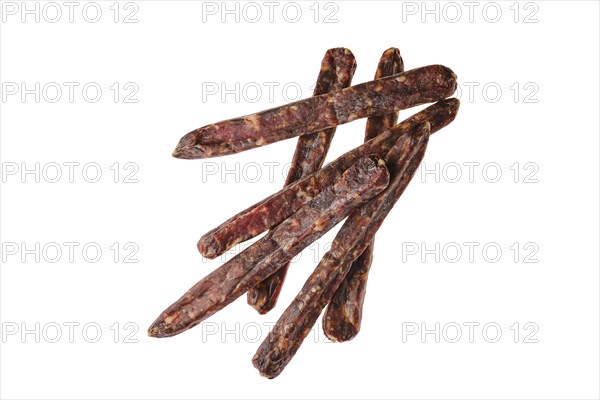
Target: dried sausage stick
x,y
274,209
363,180
378,97
337,70
343,315
390,63
276,351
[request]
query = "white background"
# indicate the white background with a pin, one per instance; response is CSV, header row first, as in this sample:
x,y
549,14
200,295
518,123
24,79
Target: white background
x,y
548,51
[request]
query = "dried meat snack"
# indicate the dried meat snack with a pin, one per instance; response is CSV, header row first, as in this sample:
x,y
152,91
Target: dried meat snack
x,y
287,335
274,209
337,70
378,97
363,180
343,315
390,63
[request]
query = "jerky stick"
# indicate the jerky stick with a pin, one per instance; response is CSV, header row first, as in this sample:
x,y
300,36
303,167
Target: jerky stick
x,y
337,70
274,209
363,180
343,315
390,63
379,97
287,335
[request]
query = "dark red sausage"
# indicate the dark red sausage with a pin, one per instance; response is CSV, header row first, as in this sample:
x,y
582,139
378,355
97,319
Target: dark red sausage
x,y
378,97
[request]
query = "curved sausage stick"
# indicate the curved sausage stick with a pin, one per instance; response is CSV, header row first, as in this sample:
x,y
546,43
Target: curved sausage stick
x,y
378,97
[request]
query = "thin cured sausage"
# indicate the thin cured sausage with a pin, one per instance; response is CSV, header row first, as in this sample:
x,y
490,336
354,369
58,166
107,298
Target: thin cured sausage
x,y
378,97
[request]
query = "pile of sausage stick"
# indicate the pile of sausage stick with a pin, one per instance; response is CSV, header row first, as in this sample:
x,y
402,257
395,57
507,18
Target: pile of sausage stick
x,y
361,186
